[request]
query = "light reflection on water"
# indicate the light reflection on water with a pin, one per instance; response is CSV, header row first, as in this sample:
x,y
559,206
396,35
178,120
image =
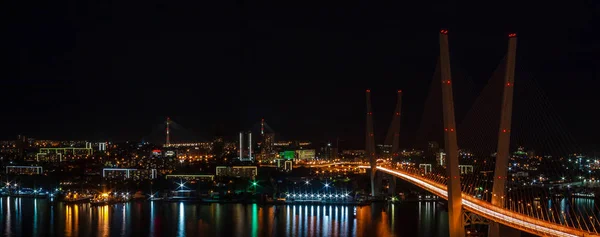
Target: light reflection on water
x,y
181,229
30,217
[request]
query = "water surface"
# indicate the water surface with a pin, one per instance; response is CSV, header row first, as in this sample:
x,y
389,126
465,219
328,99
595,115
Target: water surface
x,y
38,217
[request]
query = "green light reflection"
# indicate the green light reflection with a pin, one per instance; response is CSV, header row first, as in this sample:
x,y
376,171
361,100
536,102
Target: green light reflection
x,y
254,220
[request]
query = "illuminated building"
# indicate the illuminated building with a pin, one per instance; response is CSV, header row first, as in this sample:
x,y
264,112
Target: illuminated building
x,y
237,171
282,144
440,158
22,145
129,174
245,155
199,145
305,155
288,165
288,155
266,147
328,153
24,170
284,164
384,150
58,153
102,146
190,177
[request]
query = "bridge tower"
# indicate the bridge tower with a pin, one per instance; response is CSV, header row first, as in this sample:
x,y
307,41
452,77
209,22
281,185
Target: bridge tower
x,y
396,127
455,220
370,143
502,155
168,140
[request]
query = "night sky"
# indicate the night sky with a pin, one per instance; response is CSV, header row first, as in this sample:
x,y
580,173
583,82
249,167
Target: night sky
x,y
116,69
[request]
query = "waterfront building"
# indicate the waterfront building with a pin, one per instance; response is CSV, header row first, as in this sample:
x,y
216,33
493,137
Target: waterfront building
x,y
129,174
237,171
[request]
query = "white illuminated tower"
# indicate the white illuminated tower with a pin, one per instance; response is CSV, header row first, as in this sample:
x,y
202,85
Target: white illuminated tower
x,y
241,157
241,146
250,146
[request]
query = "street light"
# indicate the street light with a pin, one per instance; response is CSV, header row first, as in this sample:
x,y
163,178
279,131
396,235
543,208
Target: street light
x,y
307,182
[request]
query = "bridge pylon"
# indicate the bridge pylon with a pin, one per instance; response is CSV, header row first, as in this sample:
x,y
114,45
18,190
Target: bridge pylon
x,y
455,218
395,127
370,143
501,170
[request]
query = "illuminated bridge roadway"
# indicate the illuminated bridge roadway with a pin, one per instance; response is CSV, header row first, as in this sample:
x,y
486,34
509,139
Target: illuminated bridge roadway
x,y
318,165
487,210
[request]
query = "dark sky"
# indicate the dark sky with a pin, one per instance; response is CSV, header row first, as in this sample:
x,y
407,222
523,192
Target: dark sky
x,y
116,69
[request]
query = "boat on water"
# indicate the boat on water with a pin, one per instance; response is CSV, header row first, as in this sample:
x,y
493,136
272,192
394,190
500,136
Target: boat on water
x,y
75,197
110,198
84,199
156,197
26,193
183,195
152,198
139,195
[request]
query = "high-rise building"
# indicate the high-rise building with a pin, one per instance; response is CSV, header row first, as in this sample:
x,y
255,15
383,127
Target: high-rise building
x,y
266,147
245,148
328,152
440,158
384,150
218,149
432,153
22,144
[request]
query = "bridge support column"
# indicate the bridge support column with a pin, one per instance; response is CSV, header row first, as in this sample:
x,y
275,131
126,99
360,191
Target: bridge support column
x,y
502,154
373,182
455,219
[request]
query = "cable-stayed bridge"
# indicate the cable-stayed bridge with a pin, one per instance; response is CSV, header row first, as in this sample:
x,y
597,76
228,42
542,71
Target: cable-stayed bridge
x,y
508,201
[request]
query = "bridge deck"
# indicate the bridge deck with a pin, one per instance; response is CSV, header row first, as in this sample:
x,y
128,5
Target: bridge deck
x,y
491,212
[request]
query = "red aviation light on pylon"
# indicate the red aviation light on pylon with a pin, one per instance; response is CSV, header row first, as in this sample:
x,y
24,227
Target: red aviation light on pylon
x,y
399,91
512,35
368,91
444,32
